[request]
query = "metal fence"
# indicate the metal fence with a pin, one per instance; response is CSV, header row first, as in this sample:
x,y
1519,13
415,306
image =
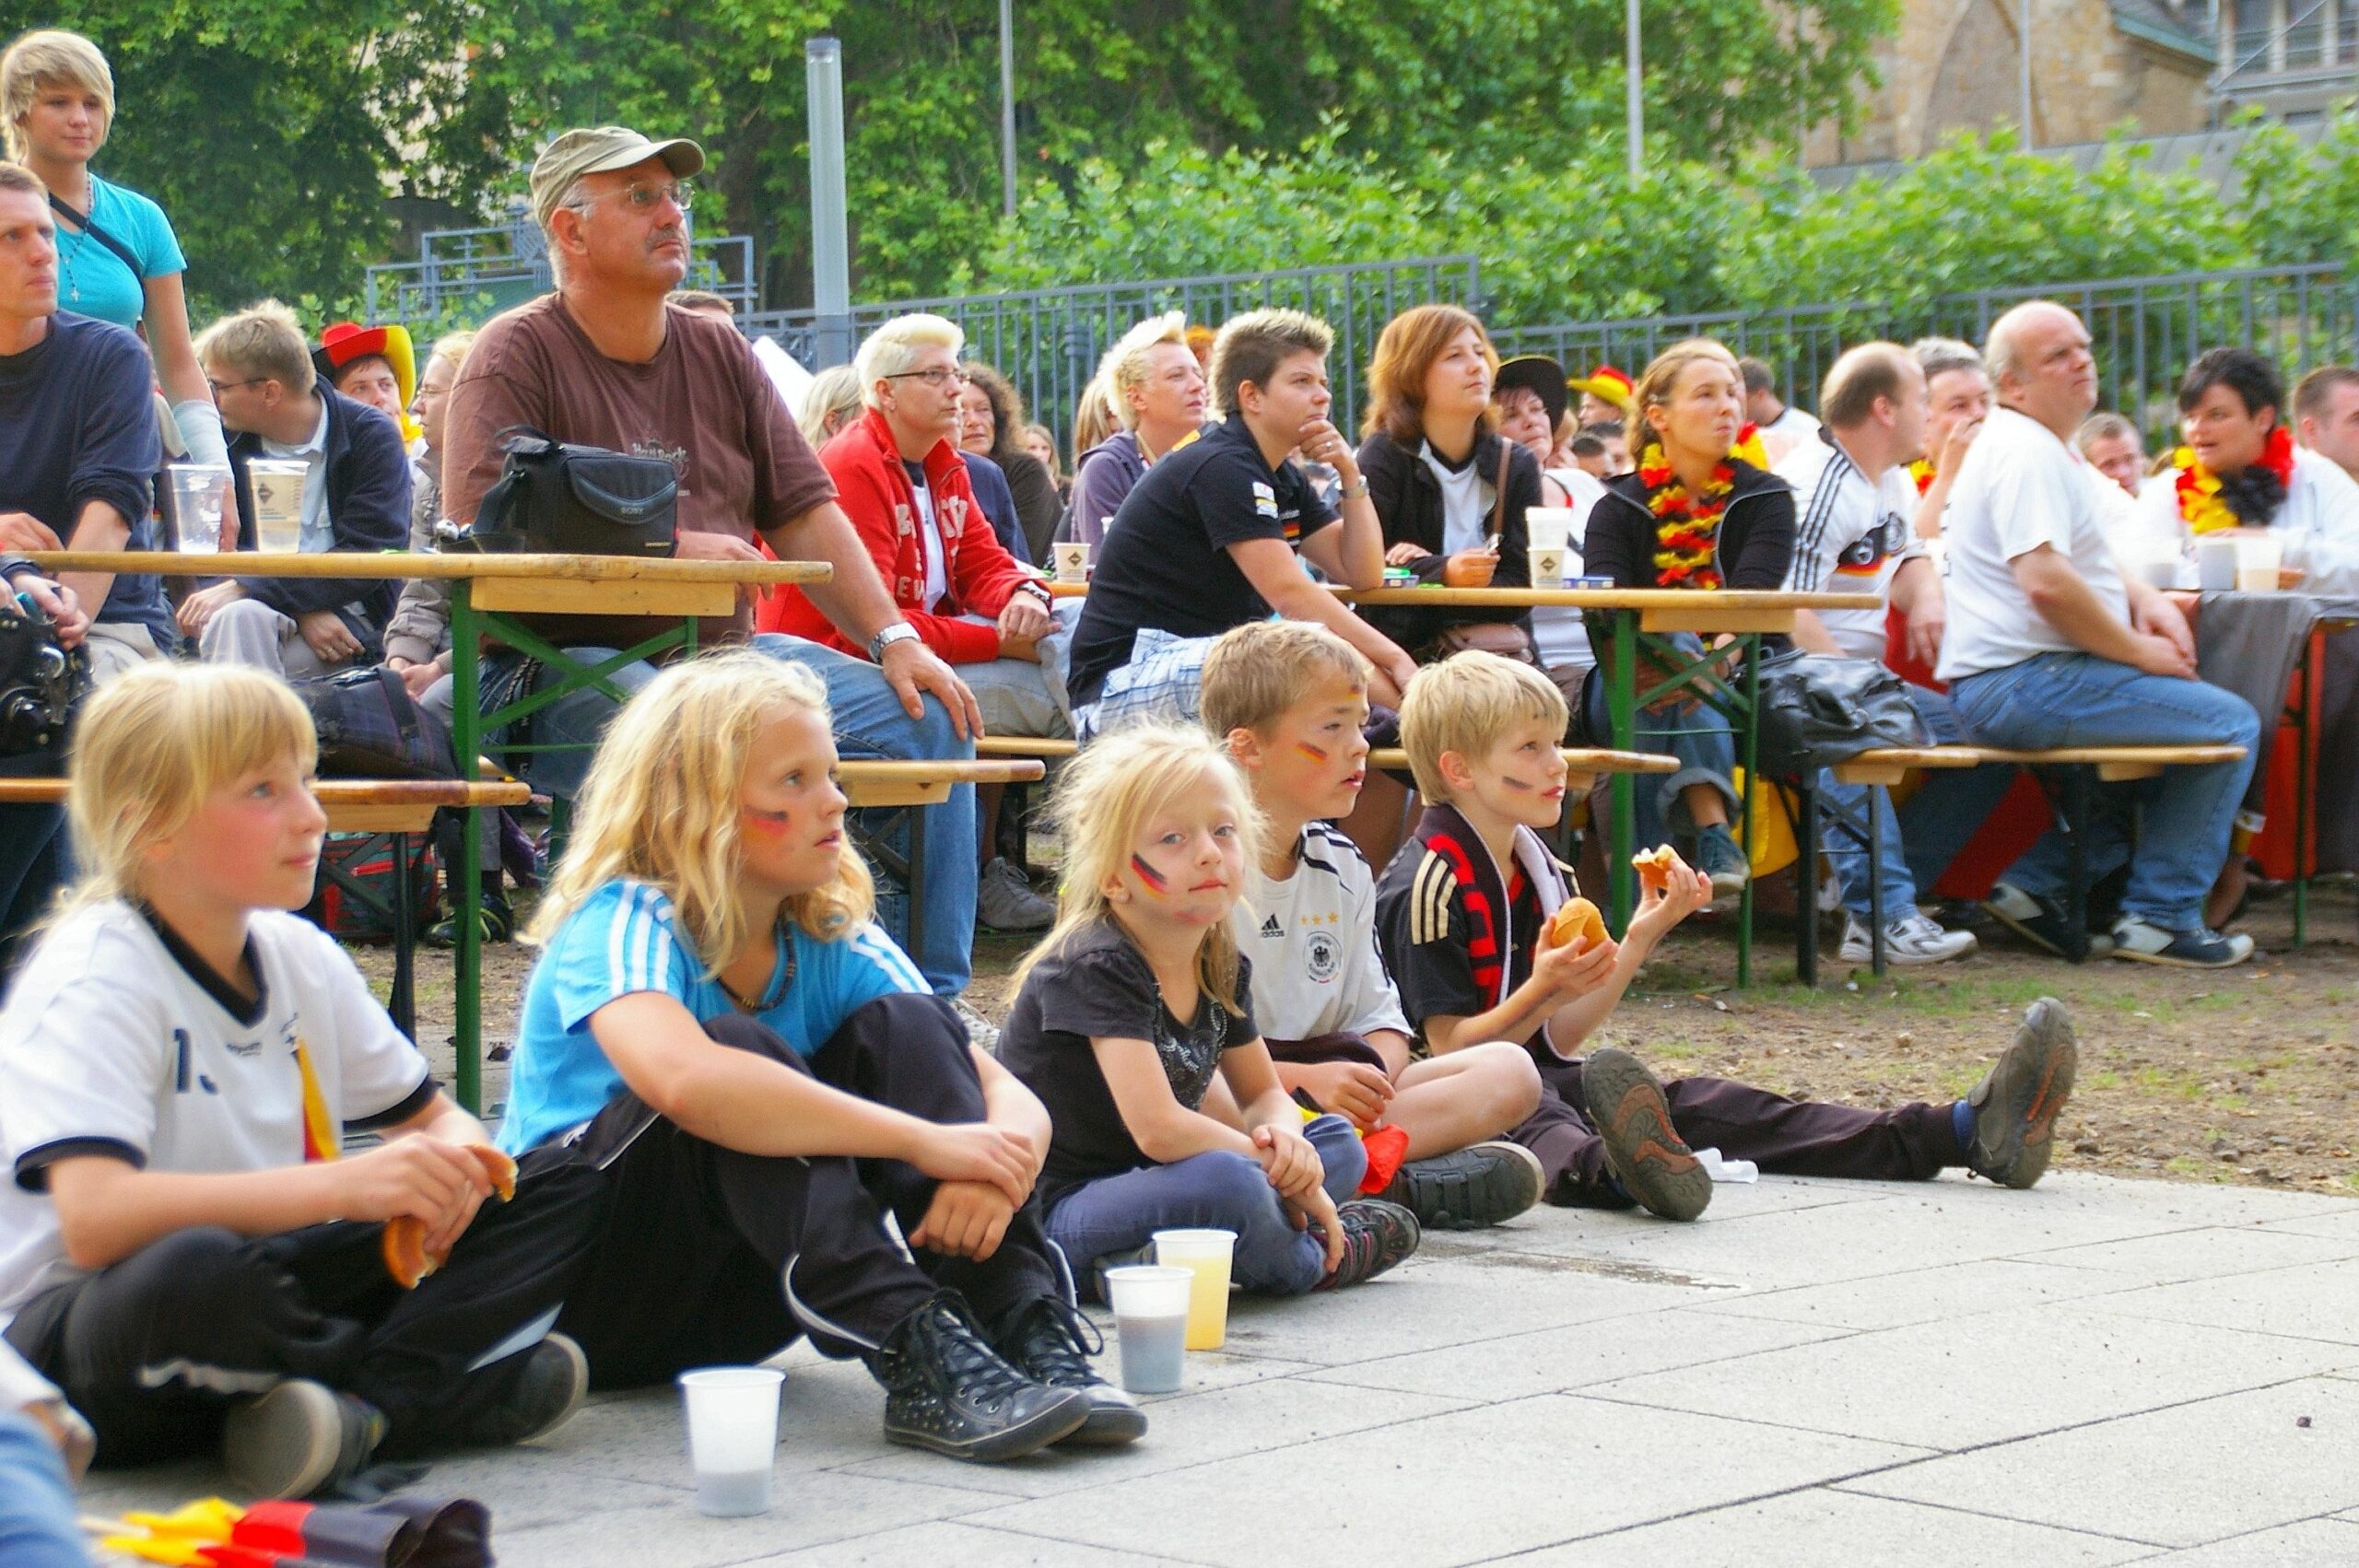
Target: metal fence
x,y
1048,341
466,275
2145,329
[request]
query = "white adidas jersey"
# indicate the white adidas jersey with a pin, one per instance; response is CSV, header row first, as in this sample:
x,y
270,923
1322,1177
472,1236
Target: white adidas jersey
x,y
1312,941
112,1044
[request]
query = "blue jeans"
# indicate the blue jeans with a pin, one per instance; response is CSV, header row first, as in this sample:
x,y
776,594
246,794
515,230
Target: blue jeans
x,y
869,721
37,1528
1919,840
1216,1191
1697,735
2077,699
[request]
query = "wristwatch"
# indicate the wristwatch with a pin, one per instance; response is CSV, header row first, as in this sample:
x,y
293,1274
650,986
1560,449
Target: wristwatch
x,y
900,631
1038,590
1353,492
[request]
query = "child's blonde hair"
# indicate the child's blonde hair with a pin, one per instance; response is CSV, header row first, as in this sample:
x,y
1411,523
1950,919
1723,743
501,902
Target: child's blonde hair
x,y
1464,704
1103,803
1259,670
150,746
660,805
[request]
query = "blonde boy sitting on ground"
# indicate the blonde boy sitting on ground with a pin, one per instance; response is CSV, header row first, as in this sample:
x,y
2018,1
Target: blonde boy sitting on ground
x,y
1462,910
1288,699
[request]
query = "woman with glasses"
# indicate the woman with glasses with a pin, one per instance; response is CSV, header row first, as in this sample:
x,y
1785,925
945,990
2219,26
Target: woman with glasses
x,y
1159,395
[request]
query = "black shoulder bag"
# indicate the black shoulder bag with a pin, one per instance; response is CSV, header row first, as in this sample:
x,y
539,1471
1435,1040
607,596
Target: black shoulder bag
x,y
560,499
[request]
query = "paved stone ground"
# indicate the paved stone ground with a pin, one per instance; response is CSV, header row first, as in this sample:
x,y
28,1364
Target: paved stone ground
x,y
2099,1371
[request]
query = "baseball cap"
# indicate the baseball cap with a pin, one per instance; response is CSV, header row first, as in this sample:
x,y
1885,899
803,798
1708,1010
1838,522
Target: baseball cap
x,y
597,149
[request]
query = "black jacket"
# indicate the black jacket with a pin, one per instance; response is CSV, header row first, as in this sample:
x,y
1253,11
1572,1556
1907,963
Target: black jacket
x,y
1408,504
1756,538
369,482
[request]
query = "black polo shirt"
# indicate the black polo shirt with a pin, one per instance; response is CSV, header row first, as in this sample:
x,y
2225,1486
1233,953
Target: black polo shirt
x,y
1166,563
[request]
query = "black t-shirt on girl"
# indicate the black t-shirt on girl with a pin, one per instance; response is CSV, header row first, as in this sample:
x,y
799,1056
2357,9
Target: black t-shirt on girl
x,y
1097,984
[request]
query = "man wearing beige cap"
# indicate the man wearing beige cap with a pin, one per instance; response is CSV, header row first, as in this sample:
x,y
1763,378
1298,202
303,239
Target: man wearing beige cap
x,y
606,361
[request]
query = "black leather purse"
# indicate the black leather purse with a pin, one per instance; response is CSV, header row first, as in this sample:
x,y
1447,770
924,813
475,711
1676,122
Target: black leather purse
x,y
560,499
1818,710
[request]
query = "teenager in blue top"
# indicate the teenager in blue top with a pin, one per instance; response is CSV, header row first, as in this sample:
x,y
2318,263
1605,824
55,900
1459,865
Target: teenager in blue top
x,y
117,257
774,1099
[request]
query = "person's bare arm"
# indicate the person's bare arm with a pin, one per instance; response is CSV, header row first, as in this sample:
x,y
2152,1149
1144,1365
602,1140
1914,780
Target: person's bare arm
x,y
2067,602
1164,1130
99,527
1279,578
1917,594
1810,634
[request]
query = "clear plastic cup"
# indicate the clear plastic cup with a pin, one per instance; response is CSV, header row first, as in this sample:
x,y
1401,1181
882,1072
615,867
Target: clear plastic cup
x,y
1150,1304
1073,561
2256,564
274,485
1207,1254
196,496
1547,565
1549,528
732,1437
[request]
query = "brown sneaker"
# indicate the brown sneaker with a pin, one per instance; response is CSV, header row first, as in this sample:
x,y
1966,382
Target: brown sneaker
x,y
1643,1151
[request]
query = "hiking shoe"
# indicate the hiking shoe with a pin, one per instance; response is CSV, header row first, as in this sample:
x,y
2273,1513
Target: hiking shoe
x,y
297,1439
1474,1187
494,919
1643,1151
981,1031
2040,921
2202,948
550,1380
1052,1343
1006,902
2016,1105
1377,1235
1912,938
1717,857
946,1389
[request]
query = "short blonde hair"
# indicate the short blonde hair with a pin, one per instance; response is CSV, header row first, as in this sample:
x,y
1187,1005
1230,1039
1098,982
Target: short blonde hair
x,y
829,403
1660,379
893,348
1464,704
152,744
660,805
1103,802
1259,670
1123,368
1093,418
451,349
52,57
264,341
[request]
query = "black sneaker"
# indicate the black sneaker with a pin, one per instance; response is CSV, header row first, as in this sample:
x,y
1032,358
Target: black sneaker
x,y
946,1389
2039,920
298,1438
1377,1235
2143,942
1719,857
1051,1343
1643,1151
2015,1103
549,1380
1478,1186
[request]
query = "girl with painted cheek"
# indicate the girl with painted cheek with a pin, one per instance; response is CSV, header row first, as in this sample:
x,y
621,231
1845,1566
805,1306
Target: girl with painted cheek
x,y
1136,1000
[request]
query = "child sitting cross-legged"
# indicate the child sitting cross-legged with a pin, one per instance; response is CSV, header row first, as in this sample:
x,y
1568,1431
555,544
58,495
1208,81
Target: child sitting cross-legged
x,y
1288,698
1462,911
1134,1002
770,1100
187,1248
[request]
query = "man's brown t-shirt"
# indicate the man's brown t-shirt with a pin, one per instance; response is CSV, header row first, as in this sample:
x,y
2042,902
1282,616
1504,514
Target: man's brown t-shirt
x,y
704,404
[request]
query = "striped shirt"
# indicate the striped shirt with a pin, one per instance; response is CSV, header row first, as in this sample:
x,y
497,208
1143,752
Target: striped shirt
x,y
624,939
1850,534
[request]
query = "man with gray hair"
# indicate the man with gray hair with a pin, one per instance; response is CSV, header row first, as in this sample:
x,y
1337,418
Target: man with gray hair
x,y
1158,394
607,361
2050,646
1957,399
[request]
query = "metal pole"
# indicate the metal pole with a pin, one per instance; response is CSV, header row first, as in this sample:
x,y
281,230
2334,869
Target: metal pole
x,y
822,60
1007,107
1633,94
2022,28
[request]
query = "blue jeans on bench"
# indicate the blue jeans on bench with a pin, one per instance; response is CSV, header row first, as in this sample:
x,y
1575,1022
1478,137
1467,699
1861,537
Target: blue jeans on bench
x,y
2078,700
1216,1191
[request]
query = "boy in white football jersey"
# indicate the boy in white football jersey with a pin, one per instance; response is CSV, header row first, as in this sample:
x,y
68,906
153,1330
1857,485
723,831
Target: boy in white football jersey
x,y
185,1248
1289,699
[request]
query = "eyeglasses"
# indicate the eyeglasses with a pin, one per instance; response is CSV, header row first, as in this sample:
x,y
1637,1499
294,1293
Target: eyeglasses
x,y
643,197
936,377
220,387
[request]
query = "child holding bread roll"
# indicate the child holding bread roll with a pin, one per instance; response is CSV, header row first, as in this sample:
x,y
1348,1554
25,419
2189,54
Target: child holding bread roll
x,y
189,1247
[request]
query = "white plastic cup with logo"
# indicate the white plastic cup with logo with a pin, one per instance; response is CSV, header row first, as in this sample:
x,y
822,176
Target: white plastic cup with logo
x,y
1547,565
196,494
732,1437
1549,528
1150,1304
2215,565
2256,564
1206,1254
275,488
1073,561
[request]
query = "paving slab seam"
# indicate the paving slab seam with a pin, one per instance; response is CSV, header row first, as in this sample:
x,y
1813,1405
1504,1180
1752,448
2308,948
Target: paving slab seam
x,y
1848,1488
1014,1534
1328,1375
2091,1304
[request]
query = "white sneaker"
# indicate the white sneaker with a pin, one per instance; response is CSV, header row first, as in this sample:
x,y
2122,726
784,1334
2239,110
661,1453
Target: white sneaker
x,y
1914,937
1006,902
981,1030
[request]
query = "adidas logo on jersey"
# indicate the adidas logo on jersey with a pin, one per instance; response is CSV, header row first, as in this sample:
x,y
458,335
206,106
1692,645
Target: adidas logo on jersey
x,y
1272,930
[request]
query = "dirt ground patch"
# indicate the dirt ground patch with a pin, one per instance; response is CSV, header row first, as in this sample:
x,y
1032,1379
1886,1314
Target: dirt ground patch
x,y
2246,1075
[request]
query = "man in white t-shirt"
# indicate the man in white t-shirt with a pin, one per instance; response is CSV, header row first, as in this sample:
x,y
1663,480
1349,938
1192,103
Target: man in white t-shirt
x,y
1782,426
1854,501
2048,646
2326,414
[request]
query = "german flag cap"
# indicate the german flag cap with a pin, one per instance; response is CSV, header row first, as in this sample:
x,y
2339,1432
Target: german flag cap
x,y
345,341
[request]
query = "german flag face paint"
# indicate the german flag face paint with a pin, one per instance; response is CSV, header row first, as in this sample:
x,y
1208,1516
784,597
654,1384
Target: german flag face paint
x,y
766,825
1314,752
1154,880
